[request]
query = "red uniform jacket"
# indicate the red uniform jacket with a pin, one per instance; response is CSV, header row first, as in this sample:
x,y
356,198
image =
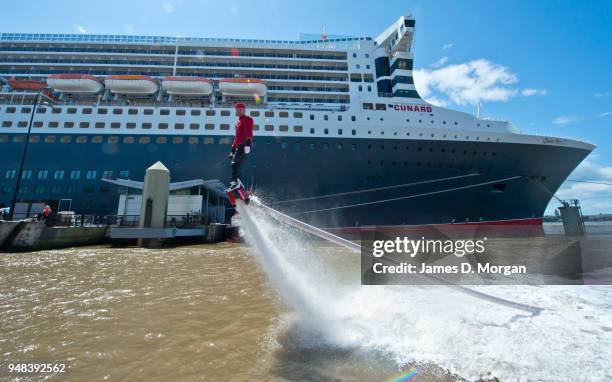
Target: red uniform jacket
x,y
244,131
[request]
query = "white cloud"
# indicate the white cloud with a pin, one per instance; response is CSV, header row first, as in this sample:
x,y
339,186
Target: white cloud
x,y
564,120
602,95
447,46
468,83
441,62
604,114
594,198
80,28
168,7
528,92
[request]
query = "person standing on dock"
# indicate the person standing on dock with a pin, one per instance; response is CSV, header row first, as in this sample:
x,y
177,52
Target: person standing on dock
x,y
241,147
46,212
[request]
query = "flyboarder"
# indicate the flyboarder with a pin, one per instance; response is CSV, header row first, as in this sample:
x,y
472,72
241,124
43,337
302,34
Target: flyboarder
x,y
241,147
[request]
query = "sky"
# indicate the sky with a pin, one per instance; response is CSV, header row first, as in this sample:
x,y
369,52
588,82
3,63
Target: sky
x,y
543,65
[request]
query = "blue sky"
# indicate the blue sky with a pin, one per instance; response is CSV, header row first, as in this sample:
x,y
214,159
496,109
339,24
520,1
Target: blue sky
x,y
543,65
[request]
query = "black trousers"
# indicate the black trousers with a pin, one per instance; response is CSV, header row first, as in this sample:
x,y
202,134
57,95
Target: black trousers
x,y
237,161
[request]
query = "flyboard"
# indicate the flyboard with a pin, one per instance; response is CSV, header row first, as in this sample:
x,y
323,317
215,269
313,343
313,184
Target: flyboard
x,y
244,196
238,192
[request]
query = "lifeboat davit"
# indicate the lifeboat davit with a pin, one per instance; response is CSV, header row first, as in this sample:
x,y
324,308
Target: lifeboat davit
x,y
194,86
243,87
131,84
74,83
26,84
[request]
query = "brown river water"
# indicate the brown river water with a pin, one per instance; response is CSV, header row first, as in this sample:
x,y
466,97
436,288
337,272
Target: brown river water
x,y
197,313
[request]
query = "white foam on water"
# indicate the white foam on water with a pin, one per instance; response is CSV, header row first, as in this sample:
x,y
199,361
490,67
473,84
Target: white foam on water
x,y
570,340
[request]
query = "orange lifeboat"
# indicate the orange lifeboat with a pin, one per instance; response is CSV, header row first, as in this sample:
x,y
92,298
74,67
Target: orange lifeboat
x,y
26,84
74,83
194,86
243,87
131,84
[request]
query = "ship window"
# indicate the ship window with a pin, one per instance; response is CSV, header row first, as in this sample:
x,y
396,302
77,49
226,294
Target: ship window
x,y
224,141
56,110
7,123
3,138
339,131
128,140
59,174
177,140
360,88
210,112
84,125
91,174
368,78
96,139
381,106
179,126
162,126
312,117
50,139
269,114
148,111
10,110
193,140
339,118
297,115
225,113
146,125
124,174
209,141
180,111
283,128
161,140
325,146
26,110
269,127
326,131
353,118
34,139
209,126
283,114
87,110
22,124
225,126
354,132
41,110
81,139
368,106
255,113
5,189
26,174
312,130
355,77
164,112
255,127
196,112
298,128
75,174
144,140
99,125
10,174
68,125
132,111
113,139
115,125
325,117
194,126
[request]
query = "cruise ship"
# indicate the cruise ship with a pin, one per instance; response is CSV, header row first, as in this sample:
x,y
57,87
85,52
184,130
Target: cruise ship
x,y
342,138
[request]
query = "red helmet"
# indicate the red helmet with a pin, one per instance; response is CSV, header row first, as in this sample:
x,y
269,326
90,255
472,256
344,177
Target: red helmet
x,y
240,105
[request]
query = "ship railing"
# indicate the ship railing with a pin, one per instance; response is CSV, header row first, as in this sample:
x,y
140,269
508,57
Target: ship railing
x,y
20,99
172,221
